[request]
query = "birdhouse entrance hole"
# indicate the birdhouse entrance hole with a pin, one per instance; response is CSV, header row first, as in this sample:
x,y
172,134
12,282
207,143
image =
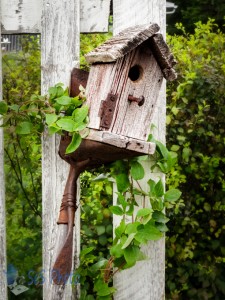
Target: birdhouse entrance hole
x,y
135,73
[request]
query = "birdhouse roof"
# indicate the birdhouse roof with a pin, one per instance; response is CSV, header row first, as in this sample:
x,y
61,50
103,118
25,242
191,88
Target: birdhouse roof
x,y
129,39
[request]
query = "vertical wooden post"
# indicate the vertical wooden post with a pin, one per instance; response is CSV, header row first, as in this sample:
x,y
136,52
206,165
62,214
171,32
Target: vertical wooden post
x,y
146,280
60,53
3,278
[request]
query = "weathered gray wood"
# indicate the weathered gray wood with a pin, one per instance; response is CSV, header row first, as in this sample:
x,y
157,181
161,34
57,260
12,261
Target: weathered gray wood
x,y
94,15
21,16
121,141
60,53
3,279
25,16
127,13
163,56
145,281
129,119
121,44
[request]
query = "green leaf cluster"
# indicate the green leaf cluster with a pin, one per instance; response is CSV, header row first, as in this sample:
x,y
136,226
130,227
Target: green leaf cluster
x,y
60,112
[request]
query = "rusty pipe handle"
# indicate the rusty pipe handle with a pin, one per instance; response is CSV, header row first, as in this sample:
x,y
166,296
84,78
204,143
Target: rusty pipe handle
x,y
69,196
140,100
63,264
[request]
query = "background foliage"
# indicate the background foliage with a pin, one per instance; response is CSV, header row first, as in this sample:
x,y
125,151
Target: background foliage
x,y
190,12
21,78
196,127
196,240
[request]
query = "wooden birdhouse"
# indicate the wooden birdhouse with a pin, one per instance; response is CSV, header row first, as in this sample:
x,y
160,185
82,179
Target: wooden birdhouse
x,y
123,86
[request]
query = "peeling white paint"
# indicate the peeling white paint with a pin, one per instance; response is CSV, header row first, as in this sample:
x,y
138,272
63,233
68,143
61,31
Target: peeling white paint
x,y
24,16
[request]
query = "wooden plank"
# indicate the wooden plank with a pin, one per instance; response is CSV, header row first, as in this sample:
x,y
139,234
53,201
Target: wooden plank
x,y
3,278
121,141
127,13
25,16
145,281
164,57
21,16
94,15
60,54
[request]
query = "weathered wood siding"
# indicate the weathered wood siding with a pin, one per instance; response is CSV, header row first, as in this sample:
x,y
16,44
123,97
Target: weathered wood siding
x,y
24,16
129,119
121,141
60,53
128,13
3,278
94,15
145,281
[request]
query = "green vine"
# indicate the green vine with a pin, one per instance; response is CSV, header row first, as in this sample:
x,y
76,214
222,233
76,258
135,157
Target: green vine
x,y
147,223
61,113
57,110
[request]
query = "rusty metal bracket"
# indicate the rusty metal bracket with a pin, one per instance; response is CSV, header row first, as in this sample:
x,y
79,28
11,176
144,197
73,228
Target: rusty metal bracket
x,y
106,111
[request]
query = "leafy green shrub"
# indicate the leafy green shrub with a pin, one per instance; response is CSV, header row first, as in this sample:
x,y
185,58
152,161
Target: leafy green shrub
x,y
21,78
191,12
196,131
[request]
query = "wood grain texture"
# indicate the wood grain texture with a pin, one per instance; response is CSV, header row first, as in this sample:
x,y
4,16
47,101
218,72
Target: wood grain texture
x,y
164,57
24,16
127,13
129,119
94,15
145,281
121,141
3,278
21,16
60,53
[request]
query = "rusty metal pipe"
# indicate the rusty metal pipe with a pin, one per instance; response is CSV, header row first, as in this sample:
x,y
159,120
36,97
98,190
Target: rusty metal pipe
x,y
63,263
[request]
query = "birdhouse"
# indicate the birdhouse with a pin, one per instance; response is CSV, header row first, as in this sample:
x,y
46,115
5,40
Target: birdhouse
x,y
123,86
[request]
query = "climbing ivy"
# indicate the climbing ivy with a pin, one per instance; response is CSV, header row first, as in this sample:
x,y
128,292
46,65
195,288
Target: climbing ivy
x,y
57,110
146,223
